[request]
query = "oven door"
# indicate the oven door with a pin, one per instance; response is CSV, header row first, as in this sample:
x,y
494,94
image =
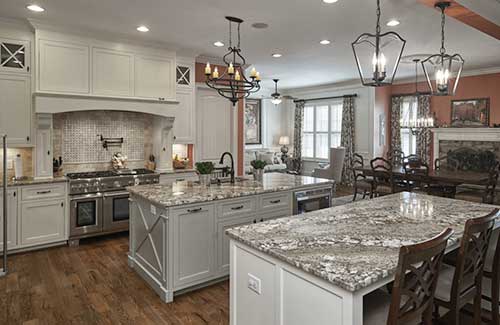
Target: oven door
x,y
312,201
116,211
85,215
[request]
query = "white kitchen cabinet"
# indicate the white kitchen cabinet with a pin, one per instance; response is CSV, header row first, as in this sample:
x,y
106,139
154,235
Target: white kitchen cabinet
x,y
14,56
63,67
15,108
194,244
223,240
43,222
112,72
185,122
12,196
155,77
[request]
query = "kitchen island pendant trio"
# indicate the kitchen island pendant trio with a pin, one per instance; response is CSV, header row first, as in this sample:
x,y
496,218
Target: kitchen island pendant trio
x,y
233,84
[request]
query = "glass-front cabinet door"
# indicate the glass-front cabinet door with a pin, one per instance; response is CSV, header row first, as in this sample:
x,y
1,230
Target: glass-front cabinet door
x,y
14,56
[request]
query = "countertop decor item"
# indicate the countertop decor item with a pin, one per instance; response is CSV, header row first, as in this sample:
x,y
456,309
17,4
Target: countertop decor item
x,y
204,170
378,55
446,69
119,161
258,169
233,84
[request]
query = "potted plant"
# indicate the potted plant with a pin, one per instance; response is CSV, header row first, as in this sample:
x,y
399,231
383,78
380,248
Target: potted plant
x,y
204,170
258,169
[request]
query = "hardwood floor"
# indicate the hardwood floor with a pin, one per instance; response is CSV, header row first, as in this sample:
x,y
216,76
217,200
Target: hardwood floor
x,y
92,284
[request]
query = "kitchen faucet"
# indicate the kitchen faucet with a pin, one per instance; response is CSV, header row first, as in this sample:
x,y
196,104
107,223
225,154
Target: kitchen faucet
x,y
232,164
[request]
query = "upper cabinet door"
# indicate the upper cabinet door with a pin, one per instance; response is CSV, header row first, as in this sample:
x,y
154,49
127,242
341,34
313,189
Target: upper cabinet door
x,y
63,67
15,108
155,77
185,122
14,56
113,73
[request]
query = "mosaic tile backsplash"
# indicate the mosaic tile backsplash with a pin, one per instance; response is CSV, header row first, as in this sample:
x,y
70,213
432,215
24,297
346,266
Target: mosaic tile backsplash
x,y
77,138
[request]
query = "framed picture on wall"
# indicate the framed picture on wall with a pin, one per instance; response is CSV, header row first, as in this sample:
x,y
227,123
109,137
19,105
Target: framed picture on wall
x,y
470,112
253,127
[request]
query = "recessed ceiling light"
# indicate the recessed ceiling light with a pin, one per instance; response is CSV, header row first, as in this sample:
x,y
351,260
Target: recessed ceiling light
x,y
330,1
143,29
277,55
35,8
219,44
324,42
393,22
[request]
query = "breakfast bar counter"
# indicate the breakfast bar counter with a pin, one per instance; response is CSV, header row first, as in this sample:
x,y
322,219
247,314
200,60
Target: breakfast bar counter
x,y
321,264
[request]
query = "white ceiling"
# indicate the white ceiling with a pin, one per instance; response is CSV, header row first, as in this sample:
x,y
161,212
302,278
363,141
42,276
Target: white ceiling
x,y
295,29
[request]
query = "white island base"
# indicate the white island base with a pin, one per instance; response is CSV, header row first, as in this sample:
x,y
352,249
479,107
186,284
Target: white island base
x,y
267,291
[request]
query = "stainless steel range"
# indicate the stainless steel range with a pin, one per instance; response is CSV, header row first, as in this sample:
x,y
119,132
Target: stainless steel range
x,y
99,202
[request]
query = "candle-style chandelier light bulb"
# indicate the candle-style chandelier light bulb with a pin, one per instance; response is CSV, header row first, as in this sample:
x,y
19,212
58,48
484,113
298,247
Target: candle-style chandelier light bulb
x,y
232,83
378,55
445,66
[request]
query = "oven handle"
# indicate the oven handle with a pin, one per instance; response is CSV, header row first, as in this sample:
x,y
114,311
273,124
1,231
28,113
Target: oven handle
x,y
86,196
114,194
312,197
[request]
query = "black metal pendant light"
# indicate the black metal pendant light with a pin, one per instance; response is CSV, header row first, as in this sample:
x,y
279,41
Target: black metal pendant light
x,y
232,84
378,55
443,66
276,96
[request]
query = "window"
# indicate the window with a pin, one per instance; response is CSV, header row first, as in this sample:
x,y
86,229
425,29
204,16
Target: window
x,y
409,110
321,129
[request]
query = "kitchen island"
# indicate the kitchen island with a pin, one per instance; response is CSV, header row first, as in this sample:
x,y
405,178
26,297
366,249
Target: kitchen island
x,y
316,269
177,231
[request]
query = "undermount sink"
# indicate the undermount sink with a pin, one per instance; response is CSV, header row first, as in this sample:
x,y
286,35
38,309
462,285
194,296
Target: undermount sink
x,y
226,180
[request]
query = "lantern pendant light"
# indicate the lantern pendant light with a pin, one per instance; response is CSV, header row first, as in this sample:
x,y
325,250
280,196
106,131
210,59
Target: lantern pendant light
x,y
378,55
233,84
276,96
442,65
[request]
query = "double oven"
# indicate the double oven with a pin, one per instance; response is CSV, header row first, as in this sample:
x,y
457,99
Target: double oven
x,y
99,201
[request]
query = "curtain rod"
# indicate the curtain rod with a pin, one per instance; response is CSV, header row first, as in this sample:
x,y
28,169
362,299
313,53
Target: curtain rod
x,y
324,98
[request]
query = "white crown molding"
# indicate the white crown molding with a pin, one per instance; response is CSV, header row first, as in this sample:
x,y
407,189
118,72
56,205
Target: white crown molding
x,y
310,90
15,23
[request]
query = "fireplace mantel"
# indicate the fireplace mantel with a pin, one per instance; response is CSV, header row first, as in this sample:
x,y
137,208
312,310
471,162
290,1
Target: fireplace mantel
x,y
464,134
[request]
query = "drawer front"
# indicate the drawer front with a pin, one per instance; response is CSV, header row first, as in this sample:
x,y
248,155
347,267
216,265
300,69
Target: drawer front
x,y
41,192
275,201
235,208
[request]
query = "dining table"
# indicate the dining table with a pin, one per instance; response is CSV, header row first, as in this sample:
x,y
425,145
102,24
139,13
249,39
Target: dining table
x,y
437,176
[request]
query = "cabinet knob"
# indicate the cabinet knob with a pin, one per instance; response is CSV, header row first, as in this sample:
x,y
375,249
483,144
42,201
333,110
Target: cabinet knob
x,y
62,204
28,138
14,194
48,152
254,220
262,220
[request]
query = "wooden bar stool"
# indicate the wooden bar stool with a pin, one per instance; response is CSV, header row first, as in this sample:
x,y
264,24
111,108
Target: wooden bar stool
x,y
459,285
414,286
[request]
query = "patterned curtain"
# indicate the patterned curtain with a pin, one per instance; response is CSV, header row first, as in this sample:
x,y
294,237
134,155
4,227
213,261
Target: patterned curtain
x,y
396,103
424,139
347,139
297,130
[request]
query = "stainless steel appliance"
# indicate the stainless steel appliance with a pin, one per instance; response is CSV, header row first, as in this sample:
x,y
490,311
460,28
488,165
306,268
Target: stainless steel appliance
x,y
3,270
311,200
99,201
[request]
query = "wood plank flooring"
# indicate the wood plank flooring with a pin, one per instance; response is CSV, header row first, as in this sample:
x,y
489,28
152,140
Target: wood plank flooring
x,y
92,284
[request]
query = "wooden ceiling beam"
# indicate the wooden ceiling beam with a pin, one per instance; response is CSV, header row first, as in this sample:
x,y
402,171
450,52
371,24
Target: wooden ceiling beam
x,y
468,17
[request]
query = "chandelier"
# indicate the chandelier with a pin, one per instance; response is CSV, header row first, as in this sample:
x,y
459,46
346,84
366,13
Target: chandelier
x,y
232,84
276,96
378,53
417,125
443,66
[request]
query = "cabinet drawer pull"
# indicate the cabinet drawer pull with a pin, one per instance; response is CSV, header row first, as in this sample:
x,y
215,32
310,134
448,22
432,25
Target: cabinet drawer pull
x,y
180,180
43,192
254,220
194,210
275,201
237,208
262,220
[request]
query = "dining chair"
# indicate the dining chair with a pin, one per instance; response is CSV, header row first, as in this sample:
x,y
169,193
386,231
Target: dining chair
x,y
396,157
411,300
441,188
362,183
417,173
384,181
486,192
459,285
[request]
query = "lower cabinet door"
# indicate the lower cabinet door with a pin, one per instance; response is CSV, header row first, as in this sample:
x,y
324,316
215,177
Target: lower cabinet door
x,y
194,245
42,222
11,220
223,240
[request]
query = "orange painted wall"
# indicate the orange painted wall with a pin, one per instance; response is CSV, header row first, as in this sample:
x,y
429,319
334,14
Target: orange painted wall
x,y
200,77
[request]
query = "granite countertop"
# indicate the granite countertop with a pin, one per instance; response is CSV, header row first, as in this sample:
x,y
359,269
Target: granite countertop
x,y
357,244
181,193
33,181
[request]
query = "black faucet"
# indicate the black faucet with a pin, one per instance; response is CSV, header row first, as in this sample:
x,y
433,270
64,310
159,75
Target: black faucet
x,y
232,164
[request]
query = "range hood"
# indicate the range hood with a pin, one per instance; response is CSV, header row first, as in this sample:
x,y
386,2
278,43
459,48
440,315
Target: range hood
x,y
61,103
